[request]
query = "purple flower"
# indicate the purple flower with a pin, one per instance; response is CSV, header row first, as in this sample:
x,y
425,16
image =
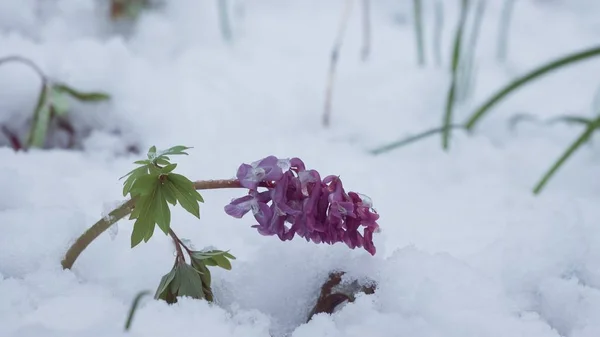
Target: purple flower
x,y
268,169
318,210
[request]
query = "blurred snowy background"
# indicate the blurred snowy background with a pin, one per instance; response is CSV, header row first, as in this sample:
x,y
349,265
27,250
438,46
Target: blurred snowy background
x,y
465,248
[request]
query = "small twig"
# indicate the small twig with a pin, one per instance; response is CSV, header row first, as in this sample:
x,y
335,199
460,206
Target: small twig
x,y
334,60
366,21
122,211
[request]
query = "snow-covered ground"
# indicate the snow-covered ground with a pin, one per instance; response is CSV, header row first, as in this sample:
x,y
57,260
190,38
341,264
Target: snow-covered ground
x,y
465,248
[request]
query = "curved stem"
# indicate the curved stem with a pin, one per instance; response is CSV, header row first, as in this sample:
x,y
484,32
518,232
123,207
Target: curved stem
x,y
178,244
25,61
122,211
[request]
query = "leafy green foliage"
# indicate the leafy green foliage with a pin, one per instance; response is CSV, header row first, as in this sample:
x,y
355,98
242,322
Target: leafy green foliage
x,y
154,185
213,258
182,280
193,279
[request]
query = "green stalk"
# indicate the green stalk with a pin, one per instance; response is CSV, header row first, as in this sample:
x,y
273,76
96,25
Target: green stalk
x,y
418,13
566,60
447,121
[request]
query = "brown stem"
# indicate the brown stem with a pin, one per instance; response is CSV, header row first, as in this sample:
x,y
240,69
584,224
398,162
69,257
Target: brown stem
x,y
177,243
122,211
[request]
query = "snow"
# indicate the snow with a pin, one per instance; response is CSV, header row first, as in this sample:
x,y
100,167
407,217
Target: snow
x,y
465,248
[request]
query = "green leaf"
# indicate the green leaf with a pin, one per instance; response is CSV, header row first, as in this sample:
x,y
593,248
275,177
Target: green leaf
x,y
169,192
213,258
186,194
175,150
162,161
205,277
169,168
222,262
139,233
161,209
152,153
187,282
41,120
82,96
139,170
144,213
144,185
143,162
165,281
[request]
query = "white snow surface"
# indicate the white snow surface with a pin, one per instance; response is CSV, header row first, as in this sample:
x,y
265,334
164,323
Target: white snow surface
x,y
465,248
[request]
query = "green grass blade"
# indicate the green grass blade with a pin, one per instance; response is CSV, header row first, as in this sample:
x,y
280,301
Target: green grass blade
x,y
418,19
134,307
412,139
503,30
563,158
467,66
561,62
224,20
447,121
437,31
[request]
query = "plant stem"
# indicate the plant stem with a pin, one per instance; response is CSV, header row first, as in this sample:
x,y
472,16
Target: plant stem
x,y
178,244
122,211
25,61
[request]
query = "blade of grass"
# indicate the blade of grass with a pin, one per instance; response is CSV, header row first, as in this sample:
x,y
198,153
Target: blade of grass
x,y
467,66
134,307
447,121
566,155
335,54
503,29
224,22
517,83
366,25
438,27
418,20
412,139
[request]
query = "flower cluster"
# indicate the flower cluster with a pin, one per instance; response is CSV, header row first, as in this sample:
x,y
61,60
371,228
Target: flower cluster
x,y
318,210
